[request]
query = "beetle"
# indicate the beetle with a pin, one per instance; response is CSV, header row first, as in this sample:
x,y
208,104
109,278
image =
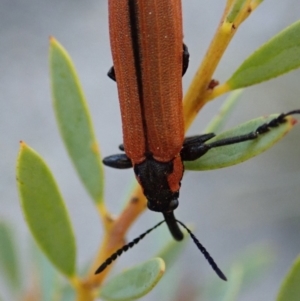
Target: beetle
x,y
149,60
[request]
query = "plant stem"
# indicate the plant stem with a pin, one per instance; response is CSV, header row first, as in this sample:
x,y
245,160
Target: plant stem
x,y
194,100
114,236
198,93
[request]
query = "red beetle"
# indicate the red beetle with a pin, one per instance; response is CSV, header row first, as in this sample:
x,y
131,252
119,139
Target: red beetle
x,y
149,60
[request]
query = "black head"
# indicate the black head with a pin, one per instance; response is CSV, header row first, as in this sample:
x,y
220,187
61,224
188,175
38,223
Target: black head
x,y
154,177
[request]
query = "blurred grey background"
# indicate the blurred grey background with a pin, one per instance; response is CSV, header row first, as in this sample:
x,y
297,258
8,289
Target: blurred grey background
x,y
231,209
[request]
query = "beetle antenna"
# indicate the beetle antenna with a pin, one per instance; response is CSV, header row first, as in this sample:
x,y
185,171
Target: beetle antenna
x,y
118,253
204,252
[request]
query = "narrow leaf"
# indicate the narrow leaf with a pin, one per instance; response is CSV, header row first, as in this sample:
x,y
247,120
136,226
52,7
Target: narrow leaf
x,y
8,257
290,288
236,153
278,56
45,211
135,282
74,120
217,123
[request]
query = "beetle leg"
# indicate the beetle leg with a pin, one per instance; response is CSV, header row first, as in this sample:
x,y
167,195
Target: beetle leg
x,y
197,139
120,161
194,147
185,59
264,128
111,73
195,150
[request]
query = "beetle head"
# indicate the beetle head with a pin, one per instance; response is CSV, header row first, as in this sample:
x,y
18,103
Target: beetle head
x,y
154,177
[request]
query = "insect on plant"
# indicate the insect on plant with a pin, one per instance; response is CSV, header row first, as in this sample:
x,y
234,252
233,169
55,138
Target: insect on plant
x,y
149,60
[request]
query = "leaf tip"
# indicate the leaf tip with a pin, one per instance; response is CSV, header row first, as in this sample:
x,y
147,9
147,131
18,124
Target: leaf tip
x,y
294,121
22,145
162,264
53,43
52,39
291,121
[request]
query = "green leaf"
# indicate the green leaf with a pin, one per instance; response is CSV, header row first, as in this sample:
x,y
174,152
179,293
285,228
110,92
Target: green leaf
x,y
278,56
8,257
45,211
74,121
135,282
224,156
290,288
217,123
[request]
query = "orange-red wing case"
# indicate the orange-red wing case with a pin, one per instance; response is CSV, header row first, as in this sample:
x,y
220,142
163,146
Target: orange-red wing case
x,y
146,41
